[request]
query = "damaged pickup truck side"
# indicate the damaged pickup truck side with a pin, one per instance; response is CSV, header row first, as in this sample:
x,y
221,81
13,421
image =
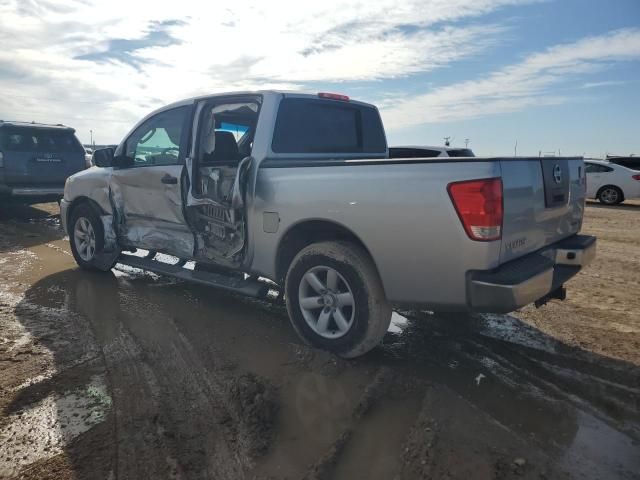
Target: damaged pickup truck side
x,y
267,191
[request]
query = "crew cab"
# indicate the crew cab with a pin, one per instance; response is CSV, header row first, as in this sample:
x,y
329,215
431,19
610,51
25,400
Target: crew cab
x,y
36,159
296,194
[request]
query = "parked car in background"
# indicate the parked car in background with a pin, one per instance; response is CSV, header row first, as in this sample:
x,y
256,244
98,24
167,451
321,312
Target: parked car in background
x,y
611,183
427,152
36,159
630,162
88,154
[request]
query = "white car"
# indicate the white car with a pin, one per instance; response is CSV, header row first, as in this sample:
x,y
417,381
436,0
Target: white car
x,y
611,183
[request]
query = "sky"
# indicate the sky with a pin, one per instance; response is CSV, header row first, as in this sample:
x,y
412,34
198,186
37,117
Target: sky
x,y
509,76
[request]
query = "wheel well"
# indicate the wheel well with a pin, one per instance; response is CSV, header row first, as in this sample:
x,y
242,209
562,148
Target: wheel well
x,y
82,201
306,233
610,186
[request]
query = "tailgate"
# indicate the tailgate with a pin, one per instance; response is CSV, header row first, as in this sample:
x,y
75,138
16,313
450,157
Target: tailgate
x,y
543,203
27,168
38,156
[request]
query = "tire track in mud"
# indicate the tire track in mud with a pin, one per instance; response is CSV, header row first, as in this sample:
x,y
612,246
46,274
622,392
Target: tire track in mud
x,y
610,394
174,414
545,396
543,367
372,394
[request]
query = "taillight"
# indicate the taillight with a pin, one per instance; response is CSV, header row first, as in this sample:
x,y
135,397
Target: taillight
x,y
479,206
334,96
636,177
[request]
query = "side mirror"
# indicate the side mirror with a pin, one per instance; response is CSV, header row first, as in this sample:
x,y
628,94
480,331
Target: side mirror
x,y
103,157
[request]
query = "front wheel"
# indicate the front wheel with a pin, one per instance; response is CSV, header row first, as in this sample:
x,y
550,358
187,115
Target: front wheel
x,y
86,236
335,298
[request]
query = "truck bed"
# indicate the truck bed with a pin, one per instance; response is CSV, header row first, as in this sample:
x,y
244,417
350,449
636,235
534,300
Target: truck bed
x,y
401,211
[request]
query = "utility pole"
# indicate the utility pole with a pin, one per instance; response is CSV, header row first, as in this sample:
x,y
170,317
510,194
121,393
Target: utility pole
x,y
466,143
515,149
91,133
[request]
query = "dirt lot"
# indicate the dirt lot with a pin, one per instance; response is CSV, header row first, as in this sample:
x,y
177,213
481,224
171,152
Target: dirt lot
x,y
127,375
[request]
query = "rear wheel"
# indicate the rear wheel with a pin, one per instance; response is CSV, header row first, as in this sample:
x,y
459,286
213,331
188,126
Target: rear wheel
x,y
86,236
610,195
335,298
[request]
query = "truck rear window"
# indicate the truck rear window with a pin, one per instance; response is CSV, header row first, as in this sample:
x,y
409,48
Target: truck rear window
x,y
402,152
327,126
39,140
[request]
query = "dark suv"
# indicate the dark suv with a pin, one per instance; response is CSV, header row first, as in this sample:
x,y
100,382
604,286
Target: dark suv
x,y
36,159
630,162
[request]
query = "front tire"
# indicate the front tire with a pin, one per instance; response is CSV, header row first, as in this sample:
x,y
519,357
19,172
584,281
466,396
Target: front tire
x,y
86,236
335,298
610,195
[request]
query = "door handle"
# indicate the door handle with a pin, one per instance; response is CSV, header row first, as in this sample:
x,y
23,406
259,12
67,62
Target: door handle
x,y
169,180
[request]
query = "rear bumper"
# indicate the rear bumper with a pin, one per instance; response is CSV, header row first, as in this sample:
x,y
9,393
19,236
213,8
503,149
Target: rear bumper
x,y
30,193
529,278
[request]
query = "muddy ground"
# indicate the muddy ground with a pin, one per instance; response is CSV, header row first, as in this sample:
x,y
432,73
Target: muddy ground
x,y
127,375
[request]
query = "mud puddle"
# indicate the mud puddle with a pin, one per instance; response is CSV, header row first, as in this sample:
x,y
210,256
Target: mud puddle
x,y
131,375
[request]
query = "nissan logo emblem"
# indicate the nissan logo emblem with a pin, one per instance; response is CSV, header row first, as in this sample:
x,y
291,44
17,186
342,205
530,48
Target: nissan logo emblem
x,y
557,173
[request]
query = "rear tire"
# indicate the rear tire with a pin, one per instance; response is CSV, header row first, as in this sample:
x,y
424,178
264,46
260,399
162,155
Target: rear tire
x,y
86,236
335,298
610,195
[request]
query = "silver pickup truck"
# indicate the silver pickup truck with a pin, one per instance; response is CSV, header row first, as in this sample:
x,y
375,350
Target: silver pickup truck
x,y
261,191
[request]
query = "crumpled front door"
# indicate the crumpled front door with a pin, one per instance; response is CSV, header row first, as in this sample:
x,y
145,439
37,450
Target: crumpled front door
x,y
148,206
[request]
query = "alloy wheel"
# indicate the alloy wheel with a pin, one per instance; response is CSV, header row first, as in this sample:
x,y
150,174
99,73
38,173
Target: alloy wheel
x,y
326,301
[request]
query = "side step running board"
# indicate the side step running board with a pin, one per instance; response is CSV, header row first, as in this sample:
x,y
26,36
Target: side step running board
x,y
250,287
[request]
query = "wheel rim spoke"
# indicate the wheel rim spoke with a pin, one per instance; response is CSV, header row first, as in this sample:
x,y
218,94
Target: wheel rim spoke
x,y
323,321
311,302
313,280
341,322
345,299
332,279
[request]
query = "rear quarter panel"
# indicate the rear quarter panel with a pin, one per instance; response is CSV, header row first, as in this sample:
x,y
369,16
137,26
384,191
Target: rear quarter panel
x,y
401,212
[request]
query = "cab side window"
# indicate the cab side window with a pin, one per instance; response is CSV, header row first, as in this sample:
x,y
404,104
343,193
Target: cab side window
x,y
158,140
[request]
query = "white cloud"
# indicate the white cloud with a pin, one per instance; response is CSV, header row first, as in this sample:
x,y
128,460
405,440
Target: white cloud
x,y
101,65
516,87
605,83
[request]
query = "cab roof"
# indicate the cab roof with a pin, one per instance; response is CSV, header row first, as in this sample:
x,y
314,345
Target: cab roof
x,y
249,93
